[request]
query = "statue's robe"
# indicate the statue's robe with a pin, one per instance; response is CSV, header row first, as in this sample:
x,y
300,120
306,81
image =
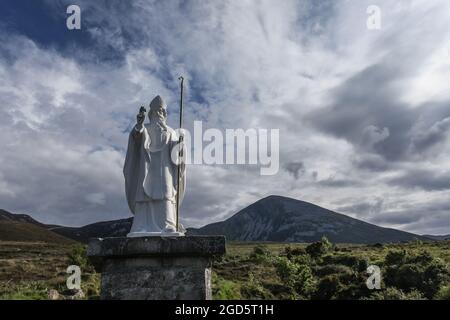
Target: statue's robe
x,y
151,178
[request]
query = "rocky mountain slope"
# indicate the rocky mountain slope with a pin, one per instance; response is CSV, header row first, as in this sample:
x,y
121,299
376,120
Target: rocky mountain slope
x,y
282,219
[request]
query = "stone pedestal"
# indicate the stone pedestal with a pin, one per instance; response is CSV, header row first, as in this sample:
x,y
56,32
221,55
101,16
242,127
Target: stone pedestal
x,y
156,267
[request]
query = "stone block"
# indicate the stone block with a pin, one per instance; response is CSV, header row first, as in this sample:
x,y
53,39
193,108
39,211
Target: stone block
x,y
175,268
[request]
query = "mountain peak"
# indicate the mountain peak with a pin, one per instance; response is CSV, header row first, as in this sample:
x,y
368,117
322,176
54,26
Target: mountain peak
x,y
282,219
274,197
283,199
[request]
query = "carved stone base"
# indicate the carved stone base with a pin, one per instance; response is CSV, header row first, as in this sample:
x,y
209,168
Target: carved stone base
x,y
160,268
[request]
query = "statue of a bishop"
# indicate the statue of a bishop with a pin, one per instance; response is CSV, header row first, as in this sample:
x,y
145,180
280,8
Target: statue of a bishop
x,y
151,174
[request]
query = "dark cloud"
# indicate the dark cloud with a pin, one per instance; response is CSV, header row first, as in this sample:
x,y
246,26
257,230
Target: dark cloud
x,y
363,209
423,179
296,169
428,137
418,217
397,217
371,162
367,112
338,183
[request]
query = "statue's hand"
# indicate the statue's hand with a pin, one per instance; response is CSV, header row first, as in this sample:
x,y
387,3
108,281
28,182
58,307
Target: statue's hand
x,y
140,120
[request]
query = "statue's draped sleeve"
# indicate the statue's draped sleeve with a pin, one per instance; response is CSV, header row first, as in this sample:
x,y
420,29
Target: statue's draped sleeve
x,y
134,166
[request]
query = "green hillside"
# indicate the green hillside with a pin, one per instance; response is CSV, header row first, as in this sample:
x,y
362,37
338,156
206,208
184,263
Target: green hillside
x,y
25,231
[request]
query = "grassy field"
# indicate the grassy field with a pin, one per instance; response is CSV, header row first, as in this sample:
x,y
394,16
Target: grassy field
x,y
28,270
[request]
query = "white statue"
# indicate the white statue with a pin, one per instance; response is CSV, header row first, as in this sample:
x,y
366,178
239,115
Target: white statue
x,y
151,175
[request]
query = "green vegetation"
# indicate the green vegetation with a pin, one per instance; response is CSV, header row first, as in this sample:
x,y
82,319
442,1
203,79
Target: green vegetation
x,y
24,291
321,270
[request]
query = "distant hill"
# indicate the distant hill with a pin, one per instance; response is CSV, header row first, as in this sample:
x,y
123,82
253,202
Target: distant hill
x,y
275,218
8,216
282,219
104,229
20,227
437,237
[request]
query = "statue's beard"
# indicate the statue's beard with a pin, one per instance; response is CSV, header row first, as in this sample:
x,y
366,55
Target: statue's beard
x,y
158,122
158,133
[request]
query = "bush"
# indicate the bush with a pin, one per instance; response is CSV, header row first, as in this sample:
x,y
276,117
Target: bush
x,y
443,293
395,257
328,287
423,258
261,250
225,289
297,277
333,269
356,263
90,285
319,248
292,253
253,289
339,282
302,259
410,272
286,271
78,257
260,253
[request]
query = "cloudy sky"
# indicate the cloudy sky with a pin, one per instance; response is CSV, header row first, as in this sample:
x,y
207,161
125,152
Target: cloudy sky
x,y
364,115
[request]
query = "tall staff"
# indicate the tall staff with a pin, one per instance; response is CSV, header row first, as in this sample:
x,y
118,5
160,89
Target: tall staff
x,y
180,150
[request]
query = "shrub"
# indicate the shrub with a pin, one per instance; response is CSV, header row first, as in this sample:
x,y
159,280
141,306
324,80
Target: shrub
x,y
423,258
328,287
225,289
286,270
395,257
333,269
319,248
353,290
260,252
91,286
443,293
253,289
78,257
302,259
298,277
293,253
420,272
339,282
356,263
